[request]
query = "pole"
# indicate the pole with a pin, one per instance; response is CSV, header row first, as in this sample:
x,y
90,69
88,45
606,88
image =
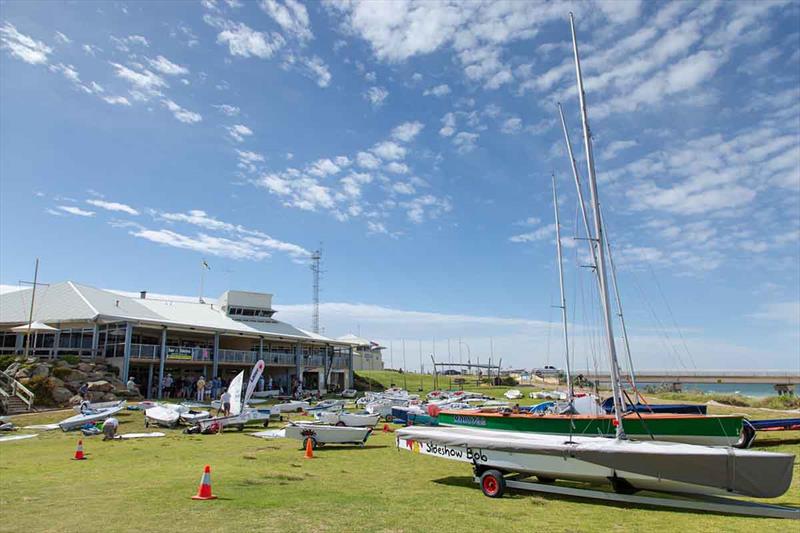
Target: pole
x,y
563,306
30,314
202,279
420,364
598,226
405,368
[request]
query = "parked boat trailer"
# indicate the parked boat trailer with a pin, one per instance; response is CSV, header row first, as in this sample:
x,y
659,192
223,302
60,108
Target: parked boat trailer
x,y
493,483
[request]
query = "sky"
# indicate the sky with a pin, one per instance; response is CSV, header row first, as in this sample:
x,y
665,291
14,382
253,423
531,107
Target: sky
x,y
413,143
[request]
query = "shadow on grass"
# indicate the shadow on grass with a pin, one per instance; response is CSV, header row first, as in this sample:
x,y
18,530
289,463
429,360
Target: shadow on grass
x,y
539,498
349,447
773,443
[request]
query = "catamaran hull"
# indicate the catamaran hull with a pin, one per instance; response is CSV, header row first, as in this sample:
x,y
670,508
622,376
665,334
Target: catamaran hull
x,y
79,420
688,429
657,466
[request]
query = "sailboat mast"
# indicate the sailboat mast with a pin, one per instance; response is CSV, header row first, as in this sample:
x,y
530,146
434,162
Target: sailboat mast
x,y
598,227
622,321
30,314
563,306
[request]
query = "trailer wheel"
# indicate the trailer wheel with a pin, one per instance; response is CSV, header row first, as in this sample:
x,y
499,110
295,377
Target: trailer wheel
x,y
266,423
389,418
313,443
340,423
240,427
493,484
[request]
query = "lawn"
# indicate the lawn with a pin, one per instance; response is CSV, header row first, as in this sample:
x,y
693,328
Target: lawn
x,y
267,485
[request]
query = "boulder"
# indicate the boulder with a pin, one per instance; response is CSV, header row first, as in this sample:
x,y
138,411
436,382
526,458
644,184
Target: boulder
x,y
12,368
31,361
22,373
76,375
61,395
108,397
100,386
40,370
73,385
96,396
75,400
85,367
24,381
55,382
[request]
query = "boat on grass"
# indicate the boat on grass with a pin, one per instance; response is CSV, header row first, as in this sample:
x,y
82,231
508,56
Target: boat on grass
x,y
321,434
90,416
625,465
343,418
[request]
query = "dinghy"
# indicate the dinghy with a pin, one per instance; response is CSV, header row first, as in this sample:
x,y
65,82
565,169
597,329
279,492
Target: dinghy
x,y
513,394
320,434
326,405
165,415
347,419
289,407
95,405
624,464
89,416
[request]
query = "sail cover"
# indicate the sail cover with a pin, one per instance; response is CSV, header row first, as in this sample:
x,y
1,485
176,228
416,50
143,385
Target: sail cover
x,y
745,472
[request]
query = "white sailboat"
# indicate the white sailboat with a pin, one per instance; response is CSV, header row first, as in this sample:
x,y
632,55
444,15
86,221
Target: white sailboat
x,y
626,465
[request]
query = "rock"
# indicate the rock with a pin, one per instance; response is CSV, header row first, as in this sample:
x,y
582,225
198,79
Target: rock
x,y
12,368
96,376
95,396
31,361
24,381
75,400
85,367
100,386
100,367
40,370
55,382
119,387
61,395
73,386
108,397
128,394
22,373
76,375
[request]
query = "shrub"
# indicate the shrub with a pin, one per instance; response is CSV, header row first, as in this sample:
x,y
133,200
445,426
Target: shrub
x,y
62,372
42,388
5,361
71,359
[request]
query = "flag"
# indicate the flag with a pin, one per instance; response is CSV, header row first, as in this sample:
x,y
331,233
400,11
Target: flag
x,y
205,265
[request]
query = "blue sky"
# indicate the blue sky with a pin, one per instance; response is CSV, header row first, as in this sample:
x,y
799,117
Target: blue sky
x,y
415,141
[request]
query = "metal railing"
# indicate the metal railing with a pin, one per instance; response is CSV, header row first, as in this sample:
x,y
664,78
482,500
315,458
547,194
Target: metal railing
x,y
237,356
313,361
339,362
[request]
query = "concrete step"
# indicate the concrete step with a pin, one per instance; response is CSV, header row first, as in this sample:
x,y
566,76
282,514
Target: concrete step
x,y
14,406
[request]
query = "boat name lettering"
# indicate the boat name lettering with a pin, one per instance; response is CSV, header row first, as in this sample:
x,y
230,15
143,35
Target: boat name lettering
x,y
444,451
476,455
469,420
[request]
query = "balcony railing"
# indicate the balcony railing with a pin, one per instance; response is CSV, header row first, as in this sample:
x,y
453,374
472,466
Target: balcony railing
x,y
237,356
313,361
339,362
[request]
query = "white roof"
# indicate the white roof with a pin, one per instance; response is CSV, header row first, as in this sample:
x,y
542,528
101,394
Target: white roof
x,y
34,326
68,302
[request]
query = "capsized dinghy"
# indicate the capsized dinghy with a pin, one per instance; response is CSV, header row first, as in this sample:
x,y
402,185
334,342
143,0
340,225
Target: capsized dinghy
x,y
647,465
162,415
89,416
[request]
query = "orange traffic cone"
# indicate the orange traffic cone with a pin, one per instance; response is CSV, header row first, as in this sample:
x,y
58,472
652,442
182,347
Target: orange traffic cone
x,y
79,452
309,449
386,428
204,492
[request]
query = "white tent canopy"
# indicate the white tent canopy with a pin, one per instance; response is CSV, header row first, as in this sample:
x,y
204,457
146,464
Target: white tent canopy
x,y
34,326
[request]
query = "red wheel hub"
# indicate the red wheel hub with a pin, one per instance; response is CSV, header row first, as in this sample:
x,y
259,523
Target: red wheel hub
x,y
490,485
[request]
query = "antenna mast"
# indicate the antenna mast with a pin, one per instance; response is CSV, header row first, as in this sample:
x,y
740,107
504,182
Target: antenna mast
x,y
315,269
598,227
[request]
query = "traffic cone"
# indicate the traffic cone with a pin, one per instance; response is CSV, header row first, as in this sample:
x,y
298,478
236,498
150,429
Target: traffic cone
x,y
386,428
204,492
309,449
79,452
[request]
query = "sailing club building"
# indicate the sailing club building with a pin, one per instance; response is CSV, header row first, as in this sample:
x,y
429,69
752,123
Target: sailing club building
x,y
148,337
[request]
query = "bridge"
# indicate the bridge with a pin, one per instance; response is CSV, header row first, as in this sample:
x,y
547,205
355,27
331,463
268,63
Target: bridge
x,y
779,378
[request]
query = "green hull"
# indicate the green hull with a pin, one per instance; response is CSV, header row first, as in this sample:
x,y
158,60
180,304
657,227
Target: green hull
x,y
691,429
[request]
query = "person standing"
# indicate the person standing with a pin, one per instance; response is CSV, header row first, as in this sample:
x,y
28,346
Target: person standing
x,y
225,403
132,386
201,389
261,383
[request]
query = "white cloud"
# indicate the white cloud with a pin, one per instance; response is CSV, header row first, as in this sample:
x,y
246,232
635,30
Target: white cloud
x,y
123,44
542,233
61,38
323,168
207,244
22,46
781,312
117,100
183,115
239,132
511,125
248,160
226,109
610,152
427,206
406,131
376,96
91,49
165,66
112,206
145,82
465,141
312,67
448,125
389,150
73,210
367,160
439,90
243,41
397,168
292,16
402,187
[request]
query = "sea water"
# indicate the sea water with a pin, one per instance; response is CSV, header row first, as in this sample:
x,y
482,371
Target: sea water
x,y
754,390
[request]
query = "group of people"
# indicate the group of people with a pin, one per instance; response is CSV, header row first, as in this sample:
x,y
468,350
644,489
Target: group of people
x,y
198,388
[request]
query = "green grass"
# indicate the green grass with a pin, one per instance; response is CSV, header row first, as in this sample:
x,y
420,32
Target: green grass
x,y
267,485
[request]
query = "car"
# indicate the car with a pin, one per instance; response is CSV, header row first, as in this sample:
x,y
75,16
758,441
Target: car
x,y
451,372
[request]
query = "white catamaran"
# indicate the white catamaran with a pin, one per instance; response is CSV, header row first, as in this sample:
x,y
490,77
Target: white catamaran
x,y
626,465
